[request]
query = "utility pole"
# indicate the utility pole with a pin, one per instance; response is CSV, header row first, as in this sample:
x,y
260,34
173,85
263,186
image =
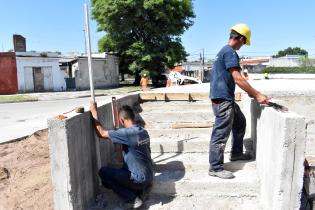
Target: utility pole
x,y
203,56
84,41
202,63
89,54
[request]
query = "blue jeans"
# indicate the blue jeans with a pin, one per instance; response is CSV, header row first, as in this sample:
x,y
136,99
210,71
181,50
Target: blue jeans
x,y
228,117
120,182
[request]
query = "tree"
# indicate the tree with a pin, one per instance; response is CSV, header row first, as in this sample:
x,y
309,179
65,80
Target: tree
x,y
291,51
145,34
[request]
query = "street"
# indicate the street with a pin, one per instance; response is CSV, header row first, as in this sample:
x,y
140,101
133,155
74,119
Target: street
x,y
22,119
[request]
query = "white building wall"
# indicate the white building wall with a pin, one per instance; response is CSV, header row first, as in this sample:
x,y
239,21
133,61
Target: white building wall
x,y
53,76
105,72
28,85
284,62
48,78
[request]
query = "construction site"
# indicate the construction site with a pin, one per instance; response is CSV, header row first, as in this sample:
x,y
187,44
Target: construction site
x,y
159,118
57,169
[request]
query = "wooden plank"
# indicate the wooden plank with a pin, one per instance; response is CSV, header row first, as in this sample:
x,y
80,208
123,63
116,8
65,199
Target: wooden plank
x,y
192,125
153,96
198,96
177,96
149,96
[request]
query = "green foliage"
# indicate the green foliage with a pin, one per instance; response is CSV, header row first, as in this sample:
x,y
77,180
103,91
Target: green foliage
x,y
145,34
307,62
288,70
145,73
291,51
16,98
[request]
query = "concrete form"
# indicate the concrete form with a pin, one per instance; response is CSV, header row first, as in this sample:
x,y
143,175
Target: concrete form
x,y
74,158
279,139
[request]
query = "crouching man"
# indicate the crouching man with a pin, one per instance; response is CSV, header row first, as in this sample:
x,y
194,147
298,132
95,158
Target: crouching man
x,y
133,181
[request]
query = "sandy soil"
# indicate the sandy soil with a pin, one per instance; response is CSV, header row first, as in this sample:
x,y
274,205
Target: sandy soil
x,y
25,179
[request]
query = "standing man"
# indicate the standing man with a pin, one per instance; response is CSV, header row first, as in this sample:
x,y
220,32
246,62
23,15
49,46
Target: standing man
x,y
225,73
133,181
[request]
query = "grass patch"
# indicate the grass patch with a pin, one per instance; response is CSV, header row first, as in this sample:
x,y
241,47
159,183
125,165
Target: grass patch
x,y
16,98
119,91
289,70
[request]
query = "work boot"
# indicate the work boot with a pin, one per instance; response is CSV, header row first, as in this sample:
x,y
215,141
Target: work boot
x,y
224,174
241,156
144,194
134,204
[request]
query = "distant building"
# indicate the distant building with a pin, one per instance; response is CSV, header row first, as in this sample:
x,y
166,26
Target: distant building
x,y
8,74
255,65
105,71
286,61
39,72
194,69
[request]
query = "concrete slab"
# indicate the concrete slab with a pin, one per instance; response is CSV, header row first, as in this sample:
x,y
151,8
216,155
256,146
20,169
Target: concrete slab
x,y
160,106
190,145
196,162
185,200
181,117
172,182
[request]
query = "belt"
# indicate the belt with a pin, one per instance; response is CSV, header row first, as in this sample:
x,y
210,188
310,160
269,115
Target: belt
x,y
217,100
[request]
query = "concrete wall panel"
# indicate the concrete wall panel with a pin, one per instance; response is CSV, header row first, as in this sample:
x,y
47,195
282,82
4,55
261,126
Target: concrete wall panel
x,y
74,156
279,140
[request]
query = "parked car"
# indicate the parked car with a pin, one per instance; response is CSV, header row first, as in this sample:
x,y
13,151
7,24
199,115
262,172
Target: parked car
x,y
160,81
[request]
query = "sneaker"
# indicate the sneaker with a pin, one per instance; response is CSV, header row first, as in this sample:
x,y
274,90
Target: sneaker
x,y
224,174
240,157
134,204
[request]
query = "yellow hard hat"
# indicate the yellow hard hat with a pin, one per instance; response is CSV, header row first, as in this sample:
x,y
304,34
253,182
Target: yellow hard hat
x,y
244,30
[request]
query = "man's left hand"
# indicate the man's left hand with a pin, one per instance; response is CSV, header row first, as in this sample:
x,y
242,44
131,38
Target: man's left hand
x,y
93,109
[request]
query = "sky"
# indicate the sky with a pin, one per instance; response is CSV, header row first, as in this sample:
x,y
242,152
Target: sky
x,y
57,25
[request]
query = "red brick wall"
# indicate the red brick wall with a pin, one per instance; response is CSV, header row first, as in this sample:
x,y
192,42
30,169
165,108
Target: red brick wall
x,y
8,74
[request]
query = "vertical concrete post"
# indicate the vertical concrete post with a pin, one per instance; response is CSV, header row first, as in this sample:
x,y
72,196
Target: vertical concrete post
x,y
73,162
279,140
60,166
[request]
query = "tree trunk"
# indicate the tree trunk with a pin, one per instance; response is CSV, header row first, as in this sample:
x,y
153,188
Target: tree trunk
x,y
137,79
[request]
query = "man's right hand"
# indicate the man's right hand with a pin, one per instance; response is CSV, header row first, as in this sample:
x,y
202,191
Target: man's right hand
x,y
262,99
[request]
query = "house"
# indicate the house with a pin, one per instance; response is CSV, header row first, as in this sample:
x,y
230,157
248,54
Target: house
x,y
39,72
194,69
255,65
8,74
105,71
286,61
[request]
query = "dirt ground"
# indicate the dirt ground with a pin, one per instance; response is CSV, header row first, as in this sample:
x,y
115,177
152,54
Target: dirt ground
x,y
25,178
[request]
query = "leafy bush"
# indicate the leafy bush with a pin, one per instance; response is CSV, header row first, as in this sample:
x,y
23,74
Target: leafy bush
x,y
145,73
289,70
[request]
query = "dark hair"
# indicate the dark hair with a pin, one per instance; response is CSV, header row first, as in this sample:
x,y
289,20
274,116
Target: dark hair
x,y
127,113
235,35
